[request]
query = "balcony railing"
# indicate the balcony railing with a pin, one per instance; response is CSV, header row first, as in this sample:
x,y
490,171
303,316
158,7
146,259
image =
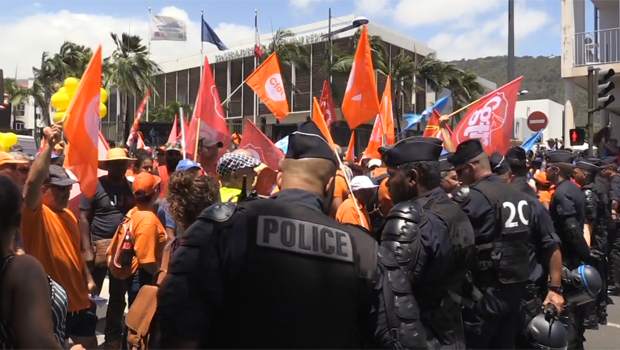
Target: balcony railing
x,y
597,47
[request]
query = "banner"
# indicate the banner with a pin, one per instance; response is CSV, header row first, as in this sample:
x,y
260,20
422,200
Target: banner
x,y
168,28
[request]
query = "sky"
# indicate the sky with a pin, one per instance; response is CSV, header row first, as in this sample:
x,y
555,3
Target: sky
x,y
457,29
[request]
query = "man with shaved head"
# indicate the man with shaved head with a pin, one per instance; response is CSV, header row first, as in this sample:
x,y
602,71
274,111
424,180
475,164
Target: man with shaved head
x,y
231,260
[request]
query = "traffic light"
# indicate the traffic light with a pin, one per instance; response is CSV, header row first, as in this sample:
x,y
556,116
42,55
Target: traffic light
x,y
577,136
604,97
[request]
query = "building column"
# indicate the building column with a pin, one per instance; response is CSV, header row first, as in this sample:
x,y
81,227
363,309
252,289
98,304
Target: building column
x,y
569,117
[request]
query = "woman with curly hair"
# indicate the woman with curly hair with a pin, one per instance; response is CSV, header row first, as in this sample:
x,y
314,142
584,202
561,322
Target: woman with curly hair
x,y
188,195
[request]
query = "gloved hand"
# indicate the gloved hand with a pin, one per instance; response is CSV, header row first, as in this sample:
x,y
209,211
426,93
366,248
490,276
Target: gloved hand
x,y
597,254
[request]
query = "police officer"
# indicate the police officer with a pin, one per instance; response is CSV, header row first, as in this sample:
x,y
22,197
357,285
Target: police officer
x,y
609,170
279,273
500,217
595,229
544,250
568,211
499,166
437,257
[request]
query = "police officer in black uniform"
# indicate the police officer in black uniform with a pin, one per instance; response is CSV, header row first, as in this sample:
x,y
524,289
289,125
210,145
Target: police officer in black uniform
x,y
500,217
437,256
449,180
544,285
596,225
609,170
279,273
568,212
499,166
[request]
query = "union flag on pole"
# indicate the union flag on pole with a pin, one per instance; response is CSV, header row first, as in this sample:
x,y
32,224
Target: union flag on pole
x,y
351,149
208,112
360,102
266,81
327,104
432,128
261,147
491,119
319,120
387,116
376,141
82,127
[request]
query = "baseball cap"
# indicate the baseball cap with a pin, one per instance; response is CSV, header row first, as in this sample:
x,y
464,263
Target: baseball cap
x,y
146,183
6,158
362,183
207,141
174,146
59,177
187,164
374,162
230,162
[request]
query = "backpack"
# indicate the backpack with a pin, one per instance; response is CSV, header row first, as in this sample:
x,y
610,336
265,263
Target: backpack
x,y
120,253
142,332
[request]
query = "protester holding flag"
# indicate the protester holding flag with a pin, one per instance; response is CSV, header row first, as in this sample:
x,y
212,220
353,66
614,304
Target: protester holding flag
x,y
363,190
209,153
51,234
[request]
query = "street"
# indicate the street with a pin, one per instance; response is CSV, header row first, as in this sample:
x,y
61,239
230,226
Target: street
x,y
606,337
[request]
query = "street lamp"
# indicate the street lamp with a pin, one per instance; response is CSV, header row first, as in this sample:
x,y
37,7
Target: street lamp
x,y
523,92
511,40
356,23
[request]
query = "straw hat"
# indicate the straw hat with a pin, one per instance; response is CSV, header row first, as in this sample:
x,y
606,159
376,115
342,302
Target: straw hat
x,y
114,154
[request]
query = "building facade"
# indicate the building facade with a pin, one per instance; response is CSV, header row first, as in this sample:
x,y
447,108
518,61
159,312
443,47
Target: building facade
x,y
582,48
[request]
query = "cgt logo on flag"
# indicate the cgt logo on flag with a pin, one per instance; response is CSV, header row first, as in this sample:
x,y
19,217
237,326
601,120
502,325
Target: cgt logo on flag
x,y
485,120
275,88
256,152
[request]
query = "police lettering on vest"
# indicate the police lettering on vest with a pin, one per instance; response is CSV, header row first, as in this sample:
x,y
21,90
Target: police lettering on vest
x,y
304,238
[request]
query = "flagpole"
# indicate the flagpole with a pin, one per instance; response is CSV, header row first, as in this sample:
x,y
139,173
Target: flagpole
x,y
198,123
183,132
234,91
463,108
147,104
202,59
256,107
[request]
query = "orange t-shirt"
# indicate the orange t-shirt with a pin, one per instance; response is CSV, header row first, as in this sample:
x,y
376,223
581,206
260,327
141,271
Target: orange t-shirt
x,y
54,239
544,196
341,190
164,176
347,214
149,237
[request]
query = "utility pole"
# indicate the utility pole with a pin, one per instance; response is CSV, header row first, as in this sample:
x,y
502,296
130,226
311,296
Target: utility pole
x,y
511,40
591,102
331,47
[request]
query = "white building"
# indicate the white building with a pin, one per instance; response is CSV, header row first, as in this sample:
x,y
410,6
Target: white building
x,y
598,47
553,110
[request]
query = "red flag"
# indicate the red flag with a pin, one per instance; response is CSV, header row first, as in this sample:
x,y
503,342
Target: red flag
x,y
491,119
260,146
432,128
172,138
209,112
136,121
327,104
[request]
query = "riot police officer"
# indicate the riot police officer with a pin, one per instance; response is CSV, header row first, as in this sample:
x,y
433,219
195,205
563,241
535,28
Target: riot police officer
x,y
279,273
499,166
500,217
609,170
544,250
596,221
568,212
437,257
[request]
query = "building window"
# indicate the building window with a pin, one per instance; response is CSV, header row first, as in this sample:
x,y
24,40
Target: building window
x,y
21,107
19,125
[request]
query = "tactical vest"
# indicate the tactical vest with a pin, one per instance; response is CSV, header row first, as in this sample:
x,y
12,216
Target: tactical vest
x,y
441,314
520,184
376,217
506,257
302,262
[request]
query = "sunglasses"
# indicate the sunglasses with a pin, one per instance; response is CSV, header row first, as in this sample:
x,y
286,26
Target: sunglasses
x,y
12,167
24,170
61,188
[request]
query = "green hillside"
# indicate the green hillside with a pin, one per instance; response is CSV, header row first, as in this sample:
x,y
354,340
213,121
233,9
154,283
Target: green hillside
x,y
541,77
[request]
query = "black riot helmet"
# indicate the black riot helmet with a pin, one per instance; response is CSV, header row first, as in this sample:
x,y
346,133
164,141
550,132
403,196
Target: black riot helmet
x,y
546,332
581,285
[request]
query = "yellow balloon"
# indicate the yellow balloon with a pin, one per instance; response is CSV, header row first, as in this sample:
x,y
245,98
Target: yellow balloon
x,y
71,84
10,139
104,95
58,116
103,110
60,100
62,90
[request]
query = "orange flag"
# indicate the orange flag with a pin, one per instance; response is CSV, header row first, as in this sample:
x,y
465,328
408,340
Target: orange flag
x,y
387,116
82,127
372,150
351,150
266,81
360,102
319,120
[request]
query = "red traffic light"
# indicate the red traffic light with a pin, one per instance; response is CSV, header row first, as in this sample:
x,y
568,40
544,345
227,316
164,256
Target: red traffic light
x,y
575,136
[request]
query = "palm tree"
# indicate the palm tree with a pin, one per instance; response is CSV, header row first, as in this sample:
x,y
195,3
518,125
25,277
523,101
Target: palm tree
x,y
130,70
289,53
343,64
